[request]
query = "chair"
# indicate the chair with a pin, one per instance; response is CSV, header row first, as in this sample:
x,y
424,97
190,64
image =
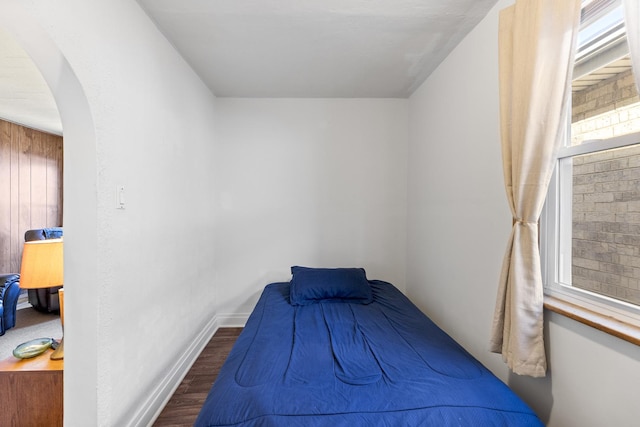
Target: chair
x,y
9,293
46,299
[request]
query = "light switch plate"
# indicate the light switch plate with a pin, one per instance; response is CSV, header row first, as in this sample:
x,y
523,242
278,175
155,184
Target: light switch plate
x,y
120,197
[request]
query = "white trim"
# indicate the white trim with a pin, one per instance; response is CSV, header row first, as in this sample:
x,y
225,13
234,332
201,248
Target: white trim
x,y
148,411
596,145
594,9
564,226
556,231
233,320
601,304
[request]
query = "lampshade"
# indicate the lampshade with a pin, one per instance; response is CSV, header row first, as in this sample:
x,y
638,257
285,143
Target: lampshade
x,y
42,264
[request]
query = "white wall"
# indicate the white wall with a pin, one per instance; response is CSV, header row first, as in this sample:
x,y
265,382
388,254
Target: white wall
x,y
138,281
314,182
458,226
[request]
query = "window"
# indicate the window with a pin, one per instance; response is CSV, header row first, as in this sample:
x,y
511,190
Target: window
x,y
590,238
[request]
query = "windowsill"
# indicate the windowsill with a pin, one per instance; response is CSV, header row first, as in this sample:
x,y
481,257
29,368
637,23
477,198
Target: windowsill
x,y
595,319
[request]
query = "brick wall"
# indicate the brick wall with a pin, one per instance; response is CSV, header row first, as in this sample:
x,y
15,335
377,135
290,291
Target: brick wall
x,y
606,192
607,109
606,223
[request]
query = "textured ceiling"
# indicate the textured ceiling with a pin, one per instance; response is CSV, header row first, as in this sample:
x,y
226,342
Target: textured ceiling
x,y
315,48
25,97
279,48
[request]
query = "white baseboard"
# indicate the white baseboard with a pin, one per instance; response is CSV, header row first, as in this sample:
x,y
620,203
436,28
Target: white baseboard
x,y
152,406
232,320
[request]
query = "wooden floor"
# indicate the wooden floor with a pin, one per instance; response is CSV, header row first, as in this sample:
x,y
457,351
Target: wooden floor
x,y
185,404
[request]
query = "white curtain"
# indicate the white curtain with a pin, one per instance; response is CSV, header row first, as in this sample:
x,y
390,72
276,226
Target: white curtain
x,y
537,41
632,22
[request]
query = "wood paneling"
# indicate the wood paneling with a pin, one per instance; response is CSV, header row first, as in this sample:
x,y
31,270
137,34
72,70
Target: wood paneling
x,y
30,187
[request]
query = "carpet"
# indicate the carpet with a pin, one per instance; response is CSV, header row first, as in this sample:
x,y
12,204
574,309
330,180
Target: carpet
x,y
30,324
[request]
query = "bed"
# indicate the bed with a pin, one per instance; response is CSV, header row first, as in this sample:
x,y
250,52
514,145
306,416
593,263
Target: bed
x,y
331,348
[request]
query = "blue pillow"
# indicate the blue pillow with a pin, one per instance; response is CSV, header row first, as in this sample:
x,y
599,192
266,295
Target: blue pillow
x,y
311,285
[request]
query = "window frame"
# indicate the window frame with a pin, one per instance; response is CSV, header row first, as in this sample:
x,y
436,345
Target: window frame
x,y
605,313
555,239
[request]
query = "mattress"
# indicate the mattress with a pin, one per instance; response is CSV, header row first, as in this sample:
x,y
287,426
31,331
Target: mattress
x,y
351,364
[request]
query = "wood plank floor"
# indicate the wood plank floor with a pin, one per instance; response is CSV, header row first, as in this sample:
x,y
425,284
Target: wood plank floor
x,y
184,406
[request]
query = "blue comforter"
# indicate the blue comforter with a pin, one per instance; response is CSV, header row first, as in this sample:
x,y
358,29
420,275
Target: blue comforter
x,y
344,364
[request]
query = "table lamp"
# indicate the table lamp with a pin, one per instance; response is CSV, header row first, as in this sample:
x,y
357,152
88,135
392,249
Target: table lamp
x,y
42,267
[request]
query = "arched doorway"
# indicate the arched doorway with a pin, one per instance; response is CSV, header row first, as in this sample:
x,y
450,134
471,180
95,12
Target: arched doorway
x,y
80,212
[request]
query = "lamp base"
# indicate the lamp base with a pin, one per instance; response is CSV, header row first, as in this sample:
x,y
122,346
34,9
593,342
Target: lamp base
x,y
58,354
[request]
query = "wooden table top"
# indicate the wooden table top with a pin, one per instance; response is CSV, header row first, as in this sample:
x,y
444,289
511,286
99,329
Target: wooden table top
x,y
41,362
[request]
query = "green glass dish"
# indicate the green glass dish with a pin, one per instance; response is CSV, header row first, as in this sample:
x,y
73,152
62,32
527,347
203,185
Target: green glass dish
x,y
32,348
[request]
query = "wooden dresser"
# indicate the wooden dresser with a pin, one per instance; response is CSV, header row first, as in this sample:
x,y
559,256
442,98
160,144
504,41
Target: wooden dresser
x,y
31,391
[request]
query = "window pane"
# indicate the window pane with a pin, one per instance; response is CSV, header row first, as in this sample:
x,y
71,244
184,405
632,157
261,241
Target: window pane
x,y
605,103
601,234
606,223
605,100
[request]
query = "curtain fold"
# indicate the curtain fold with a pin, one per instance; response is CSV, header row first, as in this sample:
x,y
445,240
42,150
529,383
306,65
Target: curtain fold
x,y
537,40
632,22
